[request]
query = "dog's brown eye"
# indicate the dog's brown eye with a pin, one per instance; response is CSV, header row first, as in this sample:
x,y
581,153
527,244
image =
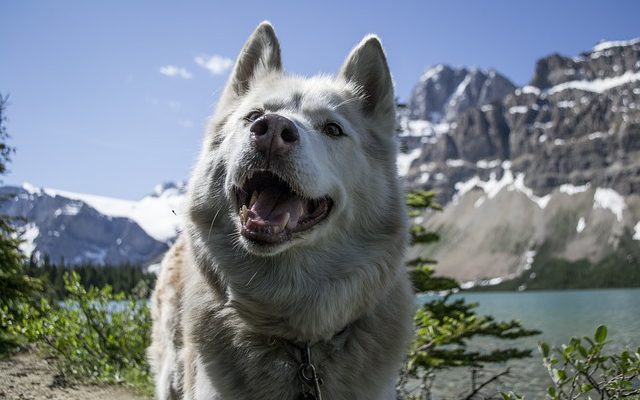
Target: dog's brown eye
x,y
253,115
333,129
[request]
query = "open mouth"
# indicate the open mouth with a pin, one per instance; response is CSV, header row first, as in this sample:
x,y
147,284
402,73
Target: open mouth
x,y
271,211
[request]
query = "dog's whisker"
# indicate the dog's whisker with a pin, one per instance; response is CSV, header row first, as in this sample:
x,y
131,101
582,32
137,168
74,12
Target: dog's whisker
x,y
252,276
347,101
211,226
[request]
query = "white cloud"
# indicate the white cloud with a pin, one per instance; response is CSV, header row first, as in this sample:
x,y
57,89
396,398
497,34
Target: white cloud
x,y
186,123
216,64
173,71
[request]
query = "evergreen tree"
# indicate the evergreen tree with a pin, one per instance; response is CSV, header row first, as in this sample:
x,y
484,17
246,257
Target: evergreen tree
x,y
15,286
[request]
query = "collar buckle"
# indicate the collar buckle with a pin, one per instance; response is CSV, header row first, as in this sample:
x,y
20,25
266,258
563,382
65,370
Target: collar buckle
x,y
307,375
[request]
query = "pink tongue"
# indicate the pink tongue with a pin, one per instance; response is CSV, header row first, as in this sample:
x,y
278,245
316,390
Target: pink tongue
x,y
272,204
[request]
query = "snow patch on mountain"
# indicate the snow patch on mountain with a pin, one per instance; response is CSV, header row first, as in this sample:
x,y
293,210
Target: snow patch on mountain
x,y
571,189
494,186
518,110
528,89
614,43
69,209
486,164
581,225
597,85
421,127
610,200
28,237
519,185
158,214
404,160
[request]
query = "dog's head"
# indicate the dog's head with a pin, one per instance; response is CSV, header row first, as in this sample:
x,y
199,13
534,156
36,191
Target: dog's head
x,y
291,161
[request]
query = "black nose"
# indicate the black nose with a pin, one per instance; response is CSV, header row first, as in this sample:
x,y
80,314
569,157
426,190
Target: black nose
x,y
274,135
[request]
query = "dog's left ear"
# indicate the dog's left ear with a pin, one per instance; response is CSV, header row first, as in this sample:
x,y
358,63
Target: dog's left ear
x,y
367,68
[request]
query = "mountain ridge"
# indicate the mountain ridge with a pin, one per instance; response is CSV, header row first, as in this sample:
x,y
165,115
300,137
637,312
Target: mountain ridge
x,y
79,228
501,169
551,167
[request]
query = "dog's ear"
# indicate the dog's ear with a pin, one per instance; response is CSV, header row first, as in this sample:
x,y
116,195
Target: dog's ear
x,y
367,68
259,56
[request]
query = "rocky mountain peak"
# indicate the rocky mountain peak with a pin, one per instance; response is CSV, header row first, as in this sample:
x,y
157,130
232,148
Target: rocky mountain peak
x,y
443,92
577,122
605,60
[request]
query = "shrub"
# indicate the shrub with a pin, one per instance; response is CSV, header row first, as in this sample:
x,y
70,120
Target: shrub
x,y
95,335
581,369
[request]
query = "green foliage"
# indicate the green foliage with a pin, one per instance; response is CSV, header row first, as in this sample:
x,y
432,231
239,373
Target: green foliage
x,y
443,329
581,369
418,201
95,335
15,287
422,199
423,280
445,326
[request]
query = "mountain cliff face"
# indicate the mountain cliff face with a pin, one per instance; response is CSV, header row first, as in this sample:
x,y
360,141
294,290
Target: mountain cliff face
x,y
443,92
501,167
80,228
581,125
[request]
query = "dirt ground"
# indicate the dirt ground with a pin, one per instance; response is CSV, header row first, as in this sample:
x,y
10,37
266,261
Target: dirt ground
x,y
26,376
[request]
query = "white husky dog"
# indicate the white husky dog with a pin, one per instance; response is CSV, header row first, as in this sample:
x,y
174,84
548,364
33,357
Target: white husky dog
x,y
288,280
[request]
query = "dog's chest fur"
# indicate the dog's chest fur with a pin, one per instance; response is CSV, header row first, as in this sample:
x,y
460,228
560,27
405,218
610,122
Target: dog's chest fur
x,y
223,358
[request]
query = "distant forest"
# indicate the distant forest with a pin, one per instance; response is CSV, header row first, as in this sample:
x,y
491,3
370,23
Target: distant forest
x,y
127,278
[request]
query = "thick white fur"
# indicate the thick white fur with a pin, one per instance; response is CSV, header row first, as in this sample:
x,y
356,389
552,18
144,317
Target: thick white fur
x,y
227,313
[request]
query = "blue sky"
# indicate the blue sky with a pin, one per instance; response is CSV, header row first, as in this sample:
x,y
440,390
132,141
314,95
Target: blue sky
x,y
93,110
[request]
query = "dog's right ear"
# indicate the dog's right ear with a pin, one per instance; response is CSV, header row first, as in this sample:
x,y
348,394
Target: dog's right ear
x,y
260,56
366,67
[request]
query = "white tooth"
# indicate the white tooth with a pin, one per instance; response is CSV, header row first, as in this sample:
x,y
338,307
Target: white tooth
x,y
285,221
300,210
254,198
245,214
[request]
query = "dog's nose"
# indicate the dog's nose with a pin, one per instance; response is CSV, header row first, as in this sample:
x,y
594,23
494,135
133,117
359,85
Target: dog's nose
x,y
274,135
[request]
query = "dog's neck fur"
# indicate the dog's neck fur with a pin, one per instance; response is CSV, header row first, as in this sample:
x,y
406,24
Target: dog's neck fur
x,y
283,295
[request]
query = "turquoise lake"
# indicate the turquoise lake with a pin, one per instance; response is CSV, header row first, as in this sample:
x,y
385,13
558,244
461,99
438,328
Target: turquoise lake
x,y
559,315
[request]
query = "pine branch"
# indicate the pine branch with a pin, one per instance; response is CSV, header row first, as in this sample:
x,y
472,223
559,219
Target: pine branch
x,y
485,383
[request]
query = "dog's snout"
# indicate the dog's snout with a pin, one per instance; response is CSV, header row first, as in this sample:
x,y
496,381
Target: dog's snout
x,y
274,135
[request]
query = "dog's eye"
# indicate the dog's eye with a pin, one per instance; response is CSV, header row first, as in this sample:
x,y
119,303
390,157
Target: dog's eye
x,y
253,115
333,129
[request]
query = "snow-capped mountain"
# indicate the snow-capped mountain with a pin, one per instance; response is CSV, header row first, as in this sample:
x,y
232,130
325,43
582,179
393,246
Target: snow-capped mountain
x,y
77,227
157,214
554,165
575,131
